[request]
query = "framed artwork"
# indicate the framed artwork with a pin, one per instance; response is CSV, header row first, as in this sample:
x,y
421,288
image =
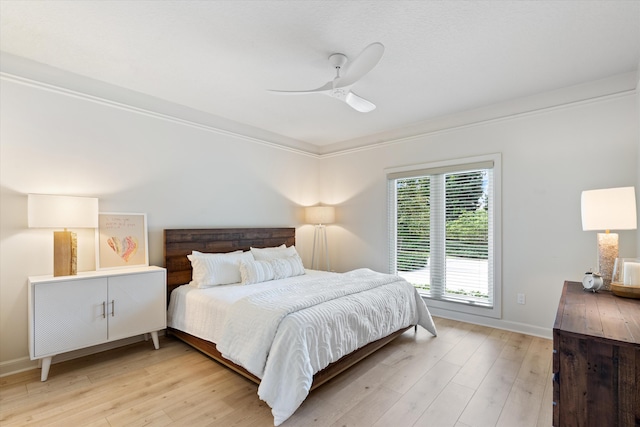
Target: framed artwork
x,y
121,240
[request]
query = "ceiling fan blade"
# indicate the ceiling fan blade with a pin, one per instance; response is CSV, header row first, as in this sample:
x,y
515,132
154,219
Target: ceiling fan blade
x,y
358,103
327,87
362,64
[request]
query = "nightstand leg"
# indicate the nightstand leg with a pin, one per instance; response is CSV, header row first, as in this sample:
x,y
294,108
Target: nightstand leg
x,y
46,364
154,337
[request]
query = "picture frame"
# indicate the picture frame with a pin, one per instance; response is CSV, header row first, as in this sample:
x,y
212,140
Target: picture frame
x,y
121,240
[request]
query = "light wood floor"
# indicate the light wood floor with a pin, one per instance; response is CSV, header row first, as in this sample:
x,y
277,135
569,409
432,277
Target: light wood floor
x,y
468,376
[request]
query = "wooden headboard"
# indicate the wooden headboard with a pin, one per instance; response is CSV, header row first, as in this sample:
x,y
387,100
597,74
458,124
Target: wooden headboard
x,y
178,243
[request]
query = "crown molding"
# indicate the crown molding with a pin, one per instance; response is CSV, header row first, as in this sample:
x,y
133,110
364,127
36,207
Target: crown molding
x,y
25,72
603,90
30,73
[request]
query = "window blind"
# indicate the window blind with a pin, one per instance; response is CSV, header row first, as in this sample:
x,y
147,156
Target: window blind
x,y
441,231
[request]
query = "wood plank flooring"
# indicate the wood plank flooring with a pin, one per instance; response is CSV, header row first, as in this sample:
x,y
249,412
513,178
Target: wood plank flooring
x,y
468,376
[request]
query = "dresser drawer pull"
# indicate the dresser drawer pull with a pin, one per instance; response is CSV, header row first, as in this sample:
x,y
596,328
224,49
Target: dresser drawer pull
x,y
113,308
104,309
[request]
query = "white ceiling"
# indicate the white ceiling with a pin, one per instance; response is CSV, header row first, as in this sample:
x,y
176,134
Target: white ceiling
x,y
220,57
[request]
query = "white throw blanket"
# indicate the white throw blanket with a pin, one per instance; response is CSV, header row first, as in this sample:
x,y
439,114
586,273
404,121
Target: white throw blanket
x,y
285,335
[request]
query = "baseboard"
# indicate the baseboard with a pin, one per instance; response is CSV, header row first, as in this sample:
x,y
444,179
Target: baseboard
x,y
522,328
14,366
22,364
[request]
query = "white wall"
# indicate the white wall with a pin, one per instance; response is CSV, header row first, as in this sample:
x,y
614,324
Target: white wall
x,y
548,158
180,175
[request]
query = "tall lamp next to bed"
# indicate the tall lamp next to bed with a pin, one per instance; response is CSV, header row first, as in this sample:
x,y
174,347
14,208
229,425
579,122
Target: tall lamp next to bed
x,y
320,216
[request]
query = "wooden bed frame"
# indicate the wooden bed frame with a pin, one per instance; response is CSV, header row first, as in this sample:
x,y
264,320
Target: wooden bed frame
x,y
178,243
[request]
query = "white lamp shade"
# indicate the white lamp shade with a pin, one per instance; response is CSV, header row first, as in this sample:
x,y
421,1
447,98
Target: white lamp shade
x,y
609,209
52,211
320,214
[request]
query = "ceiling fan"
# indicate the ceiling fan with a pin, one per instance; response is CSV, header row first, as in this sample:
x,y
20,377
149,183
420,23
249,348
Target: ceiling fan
x,y
340,86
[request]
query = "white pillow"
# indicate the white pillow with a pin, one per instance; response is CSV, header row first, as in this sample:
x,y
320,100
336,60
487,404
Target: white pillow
x,y
217,269
273,269
255,272
282,251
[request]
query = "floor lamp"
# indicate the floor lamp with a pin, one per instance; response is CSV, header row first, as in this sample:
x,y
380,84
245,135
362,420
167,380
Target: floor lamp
x,y
320,216
604,210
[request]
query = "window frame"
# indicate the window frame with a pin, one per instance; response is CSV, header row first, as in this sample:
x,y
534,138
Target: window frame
x,y
453,165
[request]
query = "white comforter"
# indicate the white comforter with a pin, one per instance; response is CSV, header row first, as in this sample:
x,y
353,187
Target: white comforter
x,y
285,335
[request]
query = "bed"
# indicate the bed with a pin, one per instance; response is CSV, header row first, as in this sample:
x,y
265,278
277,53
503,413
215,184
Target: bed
x,y
299,339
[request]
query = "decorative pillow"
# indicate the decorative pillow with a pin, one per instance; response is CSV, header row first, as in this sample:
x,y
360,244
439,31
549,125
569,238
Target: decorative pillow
x,y
255,272
264,254
217,269
273,269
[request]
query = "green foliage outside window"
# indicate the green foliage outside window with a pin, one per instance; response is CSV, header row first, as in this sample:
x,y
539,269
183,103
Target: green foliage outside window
x,y
466,219
413,223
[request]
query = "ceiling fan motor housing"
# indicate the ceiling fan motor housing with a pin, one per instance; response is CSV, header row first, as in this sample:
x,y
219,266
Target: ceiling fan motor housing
x,y
338,60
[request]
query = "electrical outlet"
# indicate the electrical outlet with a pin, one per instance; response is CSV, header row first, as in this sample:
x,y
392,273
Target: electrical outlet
x,y
521,299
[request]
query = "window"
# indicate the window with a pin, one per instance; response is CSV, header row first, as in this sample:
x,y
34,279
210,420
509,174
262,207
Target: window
x,y
444,232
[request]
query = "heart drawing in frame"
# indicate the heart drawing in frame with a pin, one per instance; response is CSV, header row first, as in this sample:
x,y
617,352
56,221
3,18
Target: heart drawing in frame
x,y
125,247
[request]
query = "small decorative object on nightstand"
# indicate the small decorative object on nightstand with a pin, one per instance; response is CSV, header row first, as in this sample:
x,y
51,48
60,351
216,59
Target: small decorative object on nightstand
x,y
592,282
626,278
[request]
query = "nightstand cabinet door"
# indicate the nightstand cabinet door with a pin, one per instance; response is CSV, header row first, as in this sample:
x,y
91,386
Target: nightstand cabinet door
x,y
136,304
68,315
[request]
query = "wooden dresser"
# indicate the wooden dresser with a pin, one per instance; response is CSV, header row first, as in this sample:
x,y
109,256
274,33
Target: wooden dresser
x,y
596,360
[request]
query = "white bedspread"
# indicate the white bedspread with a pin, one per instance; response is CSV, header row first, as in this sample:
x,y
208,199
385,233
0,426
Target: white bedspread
x,y
285,334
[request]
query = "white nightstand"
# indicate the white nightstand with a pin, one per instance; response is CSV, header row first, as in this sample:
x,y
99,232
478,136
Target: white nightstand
x,y
72,312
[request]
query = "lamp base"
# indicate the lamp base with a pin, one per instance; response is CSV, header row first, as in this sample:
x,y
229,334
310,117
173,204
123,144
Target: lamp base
x,y
320,239
607,254
65,253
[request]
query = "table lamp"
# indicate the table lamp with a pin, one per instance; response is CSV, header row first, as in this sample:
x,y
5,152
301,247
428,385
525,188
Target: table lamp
x,y
52,211
604,210
320,216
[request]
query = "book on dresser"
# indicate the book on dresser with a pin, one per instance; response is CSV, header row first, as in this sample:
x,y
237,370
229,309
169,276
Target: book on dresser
x,y
68,313
596,359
